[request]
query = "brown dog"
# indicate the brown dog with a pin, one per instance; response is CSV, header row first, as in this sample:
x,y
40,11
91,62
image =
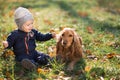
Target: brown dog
x,y
69,47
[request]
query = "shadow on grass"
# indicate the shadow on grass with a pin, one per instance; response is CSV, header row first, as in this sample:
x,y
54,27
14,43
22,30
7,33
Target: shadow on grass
x,y
104,25
37,4
97,72
97,25
78,71
111,6
21,73
69,7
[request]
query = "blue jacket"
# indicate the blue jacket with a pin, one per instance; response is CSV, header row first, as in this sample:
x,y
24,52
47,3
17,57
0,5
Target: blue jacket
x,y
24,43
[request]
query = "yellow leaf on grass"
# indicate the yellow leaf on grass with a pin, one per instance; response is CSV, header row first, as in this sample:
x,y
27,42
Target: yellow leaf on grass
x,y
10,52
1,78
39,79
40,70
87,68
52,54
11,13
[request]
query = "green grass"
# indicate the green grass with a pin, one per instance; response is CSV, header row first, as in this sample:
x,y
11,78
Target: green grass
x,y
77,14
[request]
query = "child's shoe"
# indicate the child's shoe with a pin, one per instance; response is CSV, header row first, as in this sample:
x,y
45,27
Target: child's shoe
x,y
27,64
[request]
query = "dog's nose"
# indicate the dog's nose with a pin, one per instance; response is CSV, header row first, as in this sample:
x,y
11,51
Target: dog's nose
x,y
64,42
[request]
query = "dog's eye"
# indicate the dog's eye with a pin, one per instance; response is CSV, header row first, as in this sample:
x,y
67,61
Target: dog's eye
x,y
62,34
70,35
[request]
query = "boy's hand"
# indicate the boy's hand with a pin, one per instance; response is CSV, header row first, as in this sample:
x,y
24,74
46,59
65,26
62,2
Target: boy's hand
x,y
5,44
54,35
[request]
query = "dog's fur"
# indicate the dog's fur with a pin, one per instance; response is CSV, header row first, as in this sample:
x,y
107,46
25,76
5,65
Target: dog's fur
x,y
69,47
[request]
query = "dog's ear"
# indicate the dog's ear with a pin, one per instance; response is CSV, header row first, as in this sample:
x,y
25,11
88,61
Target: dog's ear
x,y
59,45
77,45
80,39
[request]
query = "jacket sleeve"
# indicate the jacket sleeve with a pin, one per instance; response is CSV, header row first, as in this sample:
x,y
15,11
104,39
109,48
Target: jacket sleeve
x,y
42,37
11,40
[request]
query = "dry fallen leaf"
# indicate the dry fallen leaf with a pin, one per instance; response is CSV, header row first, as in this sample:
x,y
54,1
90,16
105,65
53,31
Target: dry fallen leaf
x,y
40,70
1,78
82,14
87,68
52,51
11,13
7,74
110,55
39,79
7,53
62,27
48,22
90,30
88,52
43,71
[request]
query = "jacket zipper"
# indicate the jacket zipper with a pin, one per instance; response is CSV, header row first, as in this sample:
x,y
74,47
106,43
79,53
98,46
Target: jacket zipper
x,y
26,45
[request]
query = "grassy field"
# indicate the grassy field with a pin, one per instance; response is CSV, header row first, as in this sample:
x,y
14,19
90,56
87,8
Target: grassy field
x,y
97,23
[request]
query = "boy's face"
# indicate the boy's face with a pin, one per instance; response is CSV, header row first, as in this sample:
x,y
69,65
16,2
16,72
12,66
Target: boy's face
x,y
27,26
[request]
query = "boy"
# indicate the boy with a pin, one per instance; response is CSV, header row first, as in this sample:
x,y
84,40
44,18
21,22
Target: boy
x,y
23,40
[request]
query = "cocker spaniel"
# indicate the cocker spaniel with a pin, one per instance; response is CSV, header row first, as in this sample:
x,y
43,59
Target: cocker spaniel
x,y
69,47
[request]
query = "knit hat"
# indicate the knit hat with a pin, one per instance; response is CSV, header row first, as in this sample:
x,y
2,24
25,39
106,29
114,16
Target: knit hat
x,y
22,15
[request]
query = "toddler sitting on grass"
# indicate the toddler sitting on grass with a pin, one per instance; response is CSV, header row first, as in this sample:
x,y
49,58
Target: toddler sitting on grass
x,y
23,40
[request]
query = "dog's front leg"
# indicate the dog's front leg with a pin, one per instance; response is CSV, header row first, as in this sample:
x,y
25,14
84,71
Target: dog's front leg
x,y
71,65
60,58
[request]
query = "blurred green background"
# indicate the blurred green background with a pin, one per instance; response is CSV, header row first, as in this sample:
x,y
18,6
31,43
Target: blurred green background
x,y
96,21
